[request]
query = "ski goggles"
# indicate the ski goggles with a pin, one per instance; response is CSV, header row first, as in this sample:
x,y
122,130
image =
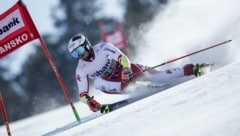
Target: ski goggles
x,y
78,52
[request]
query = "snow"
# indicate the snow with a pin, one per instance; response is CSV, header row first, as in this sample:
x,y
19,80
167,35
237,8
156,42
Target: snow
x,y
208,105
186,26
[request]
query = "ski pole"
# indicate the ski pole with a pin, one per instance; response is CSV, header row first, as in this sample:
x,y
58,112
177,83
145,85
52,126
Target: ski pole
x,y
173,60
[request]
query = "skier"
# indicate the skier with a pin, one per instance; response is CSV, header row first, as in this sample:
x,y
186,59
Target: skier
x,y
112,71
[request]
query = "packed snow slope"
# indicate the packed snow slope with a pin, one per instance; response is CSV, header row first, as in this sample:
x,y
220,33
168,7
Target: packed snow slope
x,y
208,105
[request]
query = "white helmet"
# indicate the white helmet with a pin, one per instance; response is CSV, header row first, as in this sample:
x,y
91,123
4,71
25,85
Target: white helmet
x,y
78,44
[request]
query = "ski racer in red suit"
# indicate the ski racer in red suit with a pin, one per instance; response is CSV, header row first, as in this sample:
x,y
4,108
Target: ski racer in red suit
x,y
111,70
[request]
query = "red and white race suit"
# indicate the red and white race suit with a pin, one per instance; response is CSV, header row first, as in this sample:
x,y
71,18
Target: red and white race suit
x,y
105,69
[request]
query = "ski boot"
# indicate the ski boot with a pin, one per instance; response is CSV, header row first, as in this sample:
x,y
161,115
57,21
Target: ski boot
x,y
197,69
201,69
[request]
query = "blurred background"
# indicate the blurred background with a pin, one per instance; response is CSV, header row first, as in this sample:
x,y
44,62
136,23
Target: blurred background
x,y
27,81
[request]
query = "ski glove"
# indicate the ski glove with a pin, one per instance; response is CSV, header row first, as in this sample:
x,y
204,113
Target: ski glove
x,y
93,105
91,102
127,74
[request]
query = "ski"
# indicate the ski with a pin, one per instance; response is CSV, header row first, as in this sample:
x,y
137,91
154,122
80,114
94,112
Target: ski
x,y
105,109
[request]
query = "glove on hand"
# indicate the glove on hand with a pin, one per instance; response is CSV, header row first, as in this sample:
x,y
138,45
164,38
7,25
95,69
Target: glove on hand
x,y
91,102
127,74
93,105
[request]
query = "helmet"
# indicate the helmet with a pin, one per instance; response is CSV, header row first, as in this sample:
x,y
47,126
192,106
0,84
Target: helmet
x,y
78,44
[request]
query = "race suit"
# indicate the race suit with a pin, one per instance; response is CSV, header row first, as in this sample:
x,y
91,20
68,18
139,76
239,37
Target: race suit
x,y
106,68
